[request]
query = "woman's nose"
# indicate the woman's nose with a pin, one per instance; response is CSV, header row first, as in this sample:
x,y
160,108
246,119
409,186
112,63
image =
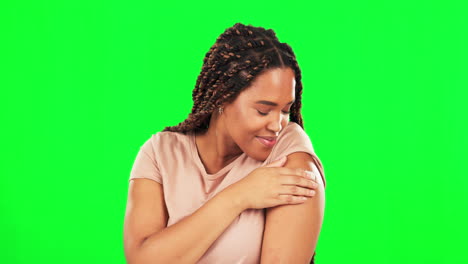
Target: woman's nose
x,y
275,123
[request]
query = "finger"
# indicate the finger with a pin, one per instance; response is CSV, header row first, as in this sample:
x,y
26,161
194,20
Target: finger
x,y
295,190
291,199
297,172
298,181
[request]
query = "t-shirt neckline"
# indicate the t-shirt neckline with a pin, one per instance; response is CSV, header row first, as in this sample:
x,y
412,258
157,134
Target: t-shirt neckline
x,y
196,157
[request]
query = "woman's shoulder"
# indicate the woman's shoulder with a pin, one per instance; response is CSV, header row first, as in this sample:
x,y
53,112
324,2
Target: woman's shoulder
x,y
169,135
292,127
165,140
291,139
293,131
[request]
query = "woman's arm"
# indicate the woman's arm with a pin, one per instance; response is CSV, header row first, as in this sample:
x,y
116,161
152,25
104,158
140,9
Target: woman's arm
x,y
292,231
187,240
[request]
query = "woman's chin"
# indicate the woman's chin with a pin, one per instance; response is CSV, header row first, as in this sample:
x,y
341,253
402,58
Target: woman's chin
x,y
259,156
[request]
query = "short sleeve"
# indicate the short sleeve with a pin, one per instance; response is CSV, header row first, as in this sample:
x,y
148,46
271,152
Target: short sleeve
x,y
294,139
145,164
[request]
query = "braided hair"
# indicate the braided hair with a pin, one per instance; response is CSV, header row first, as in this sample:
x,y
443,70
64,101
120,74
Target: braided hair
x,y
238,55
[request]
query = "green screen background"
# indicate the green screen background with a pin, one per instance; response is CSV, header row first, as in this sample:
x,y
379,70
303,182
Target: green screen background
x,y
84,84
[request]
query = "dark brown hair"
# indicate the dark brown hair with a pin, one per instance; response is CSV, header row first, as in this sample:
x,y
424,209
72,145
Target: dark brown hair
x,y
238,55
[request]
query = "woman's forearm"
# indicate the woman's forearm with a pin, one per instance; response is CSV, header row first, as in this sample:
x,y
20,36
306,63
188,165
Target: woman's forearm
x,y
187,240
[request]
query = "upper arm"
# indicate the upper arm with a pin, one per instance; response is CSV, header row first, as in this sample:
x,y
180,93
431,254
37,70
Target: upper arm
x,y
146,213
292,230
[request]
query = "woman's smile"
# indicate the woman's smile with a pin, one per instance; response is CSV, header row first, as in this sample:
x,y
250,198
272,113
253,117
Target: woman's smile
x,y
268,142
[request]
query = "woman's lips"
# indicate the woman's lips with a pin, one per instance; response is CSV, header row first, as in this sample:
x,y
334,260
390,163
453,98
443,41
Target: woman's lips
x,y
269,142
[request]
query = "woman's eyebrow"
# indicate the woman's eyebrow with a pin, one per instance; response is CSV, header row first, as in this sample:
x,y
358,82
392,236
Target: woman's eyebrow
x,y
271,103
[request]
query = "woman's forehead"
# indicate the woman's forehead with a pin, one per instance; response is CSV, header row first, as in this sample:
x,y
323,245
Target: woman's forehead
x,y
275,84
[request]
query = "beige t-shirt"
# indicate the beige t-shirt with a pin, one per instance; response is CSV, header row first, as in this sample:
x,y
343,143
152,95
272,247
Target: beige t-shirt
x,y
172,159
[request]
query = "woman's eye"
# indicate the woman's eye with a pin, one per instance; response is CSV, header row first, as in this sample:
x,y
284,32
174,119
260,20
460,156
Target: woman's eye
x,y
284,112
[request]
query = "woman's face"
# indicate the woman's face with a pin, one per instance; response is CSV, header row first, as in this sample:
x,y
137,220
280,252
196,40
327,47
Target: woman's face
x,y
261,110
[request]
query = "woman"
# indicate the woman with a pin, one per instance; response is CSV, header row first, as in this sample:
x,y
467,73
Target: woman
x,y
238,181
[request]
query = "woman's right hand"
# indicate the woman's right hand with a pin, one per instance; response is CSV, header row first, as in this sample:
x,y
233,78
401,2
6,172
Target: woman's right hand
x,y
273,185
